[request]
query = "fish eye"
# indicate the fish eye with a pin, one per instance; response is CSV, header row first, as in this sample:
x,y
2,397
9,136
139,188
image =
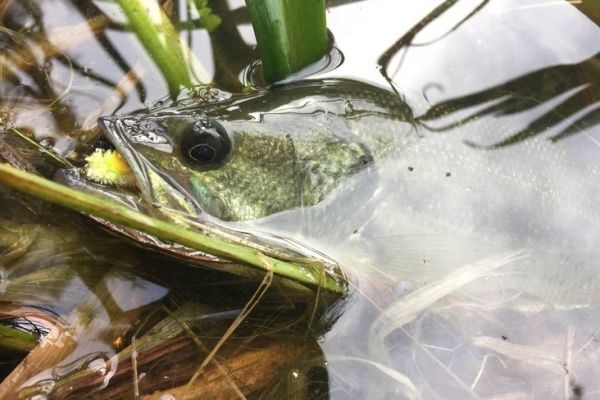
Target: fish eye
x,y
205,143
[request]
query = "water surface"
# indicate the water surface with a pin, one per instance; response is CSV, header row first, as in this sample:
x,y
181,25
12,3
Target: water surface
x,y
503,175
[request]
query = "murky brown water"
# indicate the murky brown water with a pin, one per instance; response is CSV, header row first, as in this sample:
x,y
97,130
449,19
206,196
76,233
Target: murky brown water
x,y
505,96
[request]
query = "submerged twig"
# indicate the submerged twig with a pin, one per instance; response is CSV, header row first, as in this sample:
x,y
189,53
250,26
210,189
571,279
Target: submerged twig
x,y
254,368
15,158
258,294
202,347
41,148
134,368
4,6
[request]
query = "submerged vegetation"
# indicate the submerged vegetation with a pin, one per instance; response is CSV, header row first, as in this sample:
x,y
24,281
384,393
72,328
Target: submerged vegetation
x,y
98,290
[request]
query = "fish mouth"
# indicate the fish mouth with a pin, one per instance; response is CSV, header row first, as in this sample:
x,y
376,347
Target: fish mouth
x,y
156,186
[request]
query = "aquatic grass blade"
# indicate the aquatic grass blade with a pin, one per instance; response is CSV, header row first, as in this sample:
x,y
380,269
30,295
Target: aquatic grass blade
x,y
306,273
291,34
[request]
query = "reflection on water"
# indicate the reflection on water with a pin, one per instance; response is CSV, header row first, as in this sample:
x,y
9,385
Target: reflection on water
x,y
571,90
473,262
567,94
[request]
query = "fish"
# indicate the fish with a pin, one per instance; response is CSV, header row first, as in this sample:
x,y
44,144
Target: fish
x,y
344,167
452,251
252,156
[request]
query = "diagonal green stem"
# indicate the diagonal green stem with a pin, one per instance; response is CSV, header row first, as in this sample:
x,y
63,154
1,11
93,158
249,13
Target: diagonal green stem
x,y
161,40
53,192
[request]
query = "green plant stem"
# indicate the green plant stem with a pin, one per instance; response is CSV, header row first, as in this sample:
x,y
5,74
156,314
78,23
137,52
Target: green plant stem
x,y
161,40
110,211
291,34
13,339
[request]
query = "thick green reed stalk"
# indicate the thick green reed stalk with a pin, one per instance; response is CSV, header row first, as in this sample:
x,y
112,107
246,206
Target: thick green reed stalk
x,y
291,34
